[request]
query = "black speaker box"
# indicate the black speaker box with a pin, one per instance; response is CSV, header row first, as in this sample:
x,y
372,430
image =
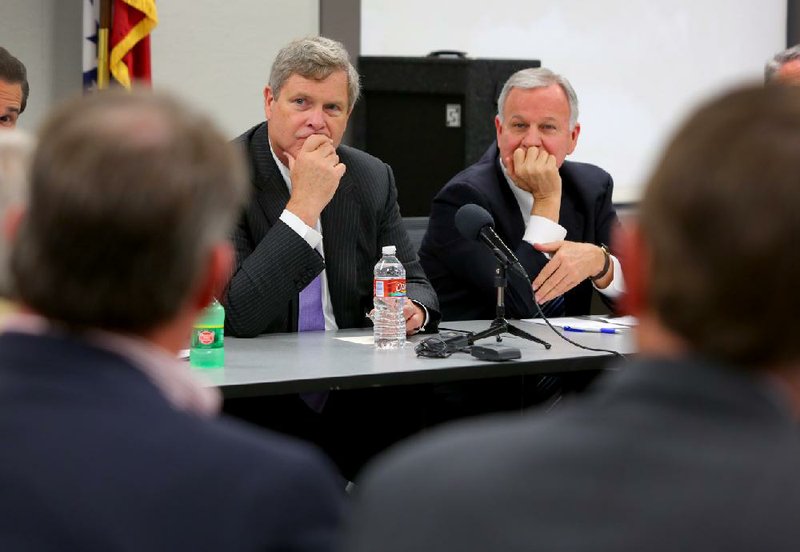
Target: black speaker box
x,y
428,117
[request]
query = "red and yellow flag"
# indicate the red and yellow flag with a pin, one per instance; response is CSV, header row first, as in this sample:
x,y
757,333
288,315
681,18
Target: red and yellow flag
x,y
129,40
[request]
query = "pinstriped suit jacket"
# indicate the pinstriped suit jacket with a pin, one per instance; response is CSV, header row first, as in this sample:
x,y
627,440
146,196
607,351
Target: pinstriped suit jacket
x,y
273,263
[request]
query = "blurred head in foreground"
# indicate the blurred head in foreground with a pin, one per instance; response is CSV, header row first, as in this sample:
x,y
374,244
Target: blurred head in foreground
x,y
132,199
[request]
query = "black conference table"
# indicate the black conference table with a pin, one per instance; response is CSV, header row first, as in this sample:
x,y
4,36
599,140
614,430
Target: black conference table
x,y
278,364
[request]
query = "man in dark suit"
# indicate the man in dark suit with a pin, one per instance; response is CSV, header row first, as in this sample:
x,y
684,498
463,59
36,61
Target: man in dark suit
x,y
554,214
695,445
109,442
319,210
307,244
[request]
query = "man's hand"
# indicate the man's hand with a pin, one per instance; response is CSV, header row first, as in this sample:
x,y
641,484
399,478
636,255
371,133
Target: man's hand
x,y
414,315
571,263
536,171
315,176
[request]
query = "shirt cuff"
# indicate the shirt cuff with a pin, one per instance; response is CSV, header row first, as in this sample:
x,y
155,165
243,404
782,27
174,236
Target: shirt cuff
x,y
543,230
617,285
427,317
303,230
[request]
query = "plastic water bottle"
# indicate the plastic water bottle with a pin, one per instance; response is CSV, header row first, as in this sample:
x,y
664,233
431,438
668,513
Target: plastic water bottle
x,y
389,297
208,340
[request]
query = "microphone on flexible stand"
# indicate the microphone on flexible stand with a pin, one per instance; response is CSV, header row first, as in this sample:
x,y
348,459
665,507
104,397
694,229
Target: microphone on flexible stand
x,y
476,223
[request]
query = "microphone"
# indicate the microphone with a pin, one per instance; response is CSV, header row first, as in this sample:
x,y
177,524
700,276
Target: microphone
x,y
476,223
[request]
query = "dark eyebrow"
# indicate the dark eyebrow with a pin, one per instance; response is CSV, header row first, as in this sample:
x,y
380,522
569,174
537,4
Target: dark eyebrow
x,y
12,109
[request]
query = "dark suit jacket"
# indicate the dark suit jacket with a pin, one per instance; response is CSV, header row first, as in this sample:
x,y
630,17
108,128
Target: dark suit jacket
x,y
94,458
462,271
273,263
664,456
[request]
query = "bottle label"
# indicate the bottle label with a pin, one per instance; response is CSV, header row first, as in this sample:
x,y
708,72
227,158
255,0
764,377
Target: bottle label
x,y
208,337
390,287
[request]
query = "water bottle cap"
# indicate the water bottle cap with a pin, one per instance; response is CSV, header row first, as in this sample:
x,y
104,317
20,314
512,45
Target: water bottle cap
x,y
389,250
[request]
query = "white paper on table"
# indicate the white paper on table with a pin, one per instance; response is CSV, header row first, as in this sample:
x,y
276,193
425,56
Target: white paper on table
x,y
359,340
576,323
627,321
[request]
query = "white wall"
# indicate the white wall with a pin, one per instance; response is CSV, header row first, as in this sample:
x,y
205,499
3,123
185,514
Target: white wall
x,y
638,66
217,54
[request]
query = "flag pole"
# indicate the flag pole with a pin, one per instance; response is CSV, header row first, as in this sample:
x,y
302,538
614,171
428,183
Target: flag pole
x,y
102,44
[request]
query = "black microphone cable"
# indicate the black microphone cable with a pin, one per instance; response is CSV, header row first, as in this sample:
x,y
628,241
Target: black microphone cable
x,y
474,222
558,333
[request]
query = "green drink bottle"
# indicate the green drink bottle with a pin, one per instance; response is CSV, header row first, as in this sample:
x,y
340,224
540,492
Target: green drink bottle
x,y
208,340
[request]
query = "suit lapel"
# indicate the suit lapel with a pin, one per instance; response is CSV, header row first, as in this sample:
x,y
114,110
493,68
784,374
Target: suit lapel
x,y
340,235
271,191
571,215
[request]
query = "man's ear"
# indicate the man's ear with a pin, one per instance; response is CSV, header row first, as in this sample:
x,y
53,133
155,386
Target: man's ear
x,y
633,255
498,126
269,99
218,270
573,138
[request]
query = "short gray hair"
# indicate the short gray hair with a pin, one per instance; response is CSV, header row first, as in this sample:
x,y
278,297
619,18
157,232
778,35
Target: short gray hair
x,y
539,77
16,148
129,192
773,66
314,58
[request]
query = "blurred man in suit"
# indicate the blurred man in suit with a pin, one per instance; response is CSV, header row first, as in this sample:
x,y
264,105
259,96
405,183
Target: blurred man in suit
x,y
556,215
310,192
15,151
694,446
307,244
784,67
13,89
109,443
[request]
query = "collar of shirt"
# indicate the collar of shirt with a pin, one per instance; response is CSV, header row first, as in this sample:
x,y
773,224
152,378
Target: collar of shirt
x,y
171,377
284,170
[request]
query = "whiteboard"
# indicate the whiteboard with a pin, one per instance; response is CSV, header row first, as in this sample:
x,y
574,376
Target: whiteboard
x,y
638,66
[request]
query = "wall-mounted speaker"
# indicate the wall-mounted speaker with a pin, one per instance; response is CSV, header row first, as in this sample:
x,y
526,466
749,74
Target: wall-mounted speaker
x,y
428,117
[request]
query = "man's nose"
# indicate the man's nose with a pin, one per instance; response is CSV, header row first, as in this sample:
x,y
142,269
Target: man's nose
x,y
532,138
316,120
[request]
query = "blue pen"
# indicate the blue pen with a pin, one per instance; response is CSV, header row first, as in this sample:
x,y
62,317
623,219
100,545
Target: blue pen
x,y
598,330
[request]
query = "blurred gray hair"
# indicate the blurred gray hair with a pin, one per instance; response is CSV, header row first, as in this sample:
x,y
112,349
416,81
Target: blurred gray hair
x,y
773,66
16,148
314,58
539,77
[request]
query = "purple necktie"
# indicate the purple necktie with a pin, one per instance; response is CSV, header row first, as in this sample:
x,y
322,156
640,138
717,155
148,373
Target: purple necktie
x,y
310,318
